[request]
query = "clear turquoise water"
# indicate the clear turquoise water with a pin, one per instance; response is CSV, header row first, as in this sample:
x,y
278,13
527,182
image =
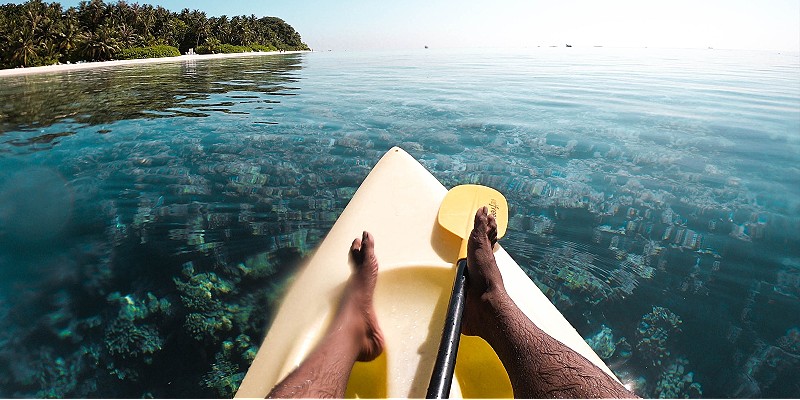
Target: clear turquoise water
x,y
151,215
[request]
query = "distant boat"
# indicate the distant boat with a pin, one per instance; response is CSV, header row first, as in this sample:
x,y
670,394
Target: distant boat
x,y
426,46
569,45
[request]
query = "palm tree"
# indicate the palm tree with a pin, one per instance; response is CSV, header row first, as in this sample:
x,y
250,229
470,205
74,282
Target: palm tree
x,y
48,32
33,14
48,53
24,52
99,46
92,13
201,27
176,32
37,32
69,36
221,28
242,31
144,19
127,36
121,13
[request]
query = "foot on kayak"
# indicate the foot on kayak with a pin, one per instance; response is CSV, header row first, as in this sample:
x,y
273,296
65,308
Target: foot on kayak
x,y
354,334
357,307
484,279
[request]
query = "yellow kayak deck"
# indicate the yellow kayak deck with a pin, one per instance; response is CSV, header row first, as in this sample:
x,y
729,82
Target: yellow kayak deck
x,y
398,203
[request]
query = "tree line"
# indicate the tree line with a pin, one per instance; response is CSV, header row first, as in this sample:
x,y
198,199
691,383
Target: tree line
x,y
39,33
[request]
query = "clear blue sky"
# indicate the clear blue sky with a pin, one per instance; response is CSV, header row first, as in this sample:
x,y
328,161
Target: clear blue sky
x,y
372,24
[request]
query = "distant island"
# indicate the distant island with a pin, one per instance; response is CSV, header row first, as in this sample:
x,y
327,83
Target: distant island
x,y
37,33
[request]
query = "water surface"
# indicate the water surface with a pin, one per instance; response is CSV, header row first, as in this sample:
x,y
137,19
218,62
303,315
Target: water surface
x,y
151,215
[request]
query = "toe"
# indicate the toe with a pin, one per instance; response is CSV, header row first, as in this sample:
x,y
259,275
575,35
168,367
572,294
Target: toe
x,y
367,243
368,251
355,251
481,217
481,229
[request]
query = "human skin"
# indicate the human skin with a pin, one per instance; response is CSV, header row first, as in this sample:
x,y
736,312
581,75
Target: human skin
x,y
538,365
353,336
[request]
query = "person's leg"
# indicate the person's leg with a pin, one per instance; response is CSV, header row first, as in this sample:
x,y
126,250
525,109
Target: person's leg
x,y
537,364
354,334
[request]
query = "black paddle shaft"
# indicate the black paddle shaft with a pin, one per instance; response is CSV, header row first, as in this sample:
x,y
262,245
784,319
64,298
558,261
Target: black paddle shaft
x,y
442,376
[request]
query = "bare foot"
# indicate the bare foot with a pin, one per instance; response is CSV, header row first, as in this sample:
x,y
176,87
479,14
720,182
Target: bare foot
x,y
353,335
484,279
357,307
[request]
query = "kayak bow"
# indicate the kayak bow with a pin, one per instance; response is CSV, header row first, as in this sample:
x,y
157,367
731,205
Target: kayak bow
x,y
398,203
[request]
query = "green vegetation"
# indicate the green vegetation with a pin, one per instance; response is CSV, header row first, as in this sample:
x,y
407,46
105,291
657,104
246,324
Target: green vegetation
x,y
215,47
39,33
229,48
148,52
261,47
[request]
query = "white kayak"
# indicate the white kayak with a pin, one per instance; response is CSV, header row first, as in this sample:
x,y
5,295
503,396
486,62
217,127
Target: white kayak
x,y
398,203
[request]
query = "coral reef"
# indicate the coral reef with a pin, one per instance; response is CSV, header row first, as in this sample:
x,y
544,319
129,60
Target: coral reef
x,y
129,339
130,334
201,294
226,375
653,334
60,377
603,343
258,266
607,348
676,382
134,335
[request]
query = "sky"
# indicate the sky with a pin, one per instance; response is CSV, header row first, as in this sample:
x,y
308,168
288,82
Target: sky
x,y
410,24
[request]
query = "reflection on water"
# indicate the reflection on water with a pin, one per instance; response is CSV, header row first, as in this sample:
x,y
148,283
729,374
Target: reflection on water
x,y
151,215
34,104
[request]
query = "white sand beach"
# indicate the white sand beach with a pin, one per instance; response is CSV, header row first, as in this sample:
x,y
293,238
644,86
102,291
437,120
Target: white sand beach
x,y
103,64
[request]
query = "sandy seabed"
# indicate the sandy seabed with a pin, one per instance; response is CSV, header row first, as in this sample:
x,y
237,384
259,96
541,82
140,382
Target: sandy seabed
x,y
103,64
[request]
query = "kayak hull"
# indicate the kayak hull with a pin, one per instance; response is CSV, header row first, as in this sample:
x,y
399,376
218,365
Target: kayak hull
x,y
398,203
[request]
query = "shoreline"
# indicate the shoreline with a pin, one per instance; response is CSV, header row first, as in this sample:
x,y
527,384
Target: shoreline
x,y
115,63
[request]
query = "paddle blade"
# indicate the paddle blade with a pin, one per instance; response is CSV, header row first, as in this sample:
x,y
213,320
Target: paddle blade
x,y
457,212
